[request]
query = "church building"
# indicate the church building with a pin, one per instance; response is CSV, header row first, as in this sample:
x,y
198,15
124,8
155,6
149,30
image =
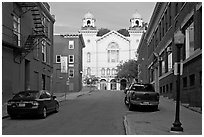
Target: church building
x,y
105,49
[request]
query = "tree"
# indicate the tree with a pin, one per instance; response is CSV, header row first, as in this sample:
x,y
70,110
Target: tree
x,y
91,80
128,70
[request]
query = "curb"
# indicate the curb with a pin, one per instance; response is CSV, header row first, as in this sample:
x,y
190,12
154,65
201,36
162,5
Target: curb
x,y
127,128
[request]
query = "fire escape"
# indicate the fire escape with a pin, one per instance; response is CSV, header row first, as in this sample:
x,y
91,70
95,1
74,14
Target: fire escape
x,y
38,31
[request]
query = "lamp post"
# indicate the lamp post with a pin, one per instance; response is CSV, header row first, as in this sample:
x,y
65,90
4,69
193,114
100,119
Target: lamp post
x,y
179,41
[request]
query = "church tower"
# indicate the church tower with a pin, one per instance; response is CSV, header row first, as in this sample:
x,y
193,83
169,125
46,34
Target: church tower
x,y
88,21
136,29
89,32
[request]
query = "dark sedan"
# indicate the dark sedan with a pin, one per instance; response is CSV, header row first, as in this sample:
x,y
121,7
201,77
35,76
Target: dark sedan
x,y
32,102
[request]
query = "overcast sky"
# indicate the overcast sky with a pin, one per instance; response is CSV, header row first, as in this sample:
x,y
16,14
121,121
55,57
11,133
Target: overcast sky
x,y
111,15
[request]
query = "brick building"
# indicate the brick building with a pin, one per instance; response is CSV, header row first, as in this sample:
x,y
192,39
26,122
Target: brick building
x,y
69,78
27,47
158,44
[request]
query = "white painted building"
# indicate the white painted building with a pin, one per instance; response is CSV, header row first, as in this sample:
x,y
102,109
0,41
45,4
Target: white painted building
x,y
102,53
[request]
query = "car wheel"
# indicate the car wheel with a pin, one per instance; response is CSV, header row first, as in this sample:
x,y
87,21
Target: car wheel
x,y
44,113
126,101
130,106
57,108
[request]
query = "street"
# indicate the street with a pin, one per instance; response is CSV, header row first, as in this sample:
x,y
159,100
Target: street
x,y
100,113
103,113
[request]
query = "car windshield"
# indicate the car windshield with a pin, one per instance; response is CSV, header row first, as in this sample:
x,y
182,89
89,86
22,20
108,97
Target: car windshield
x,y
27,94
148,88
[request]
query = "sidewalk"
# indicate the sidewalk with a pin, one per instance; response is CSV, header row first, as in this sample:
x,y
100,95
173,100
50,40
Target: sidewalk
x,y
160,122
60,97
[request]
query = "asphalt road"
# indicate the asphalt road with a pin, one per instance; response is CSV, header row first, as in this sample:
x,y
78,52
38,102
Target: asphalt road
x,y
100,113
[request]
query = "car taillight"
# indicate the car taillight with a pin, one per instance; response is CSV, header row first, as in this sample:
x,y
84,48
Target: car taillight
x,y
10,103
35,103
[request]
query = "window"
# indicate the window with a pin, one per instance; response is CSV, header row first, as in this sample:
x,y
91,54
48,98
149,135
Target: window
x,y
36,51
164,89
58,58
189,40
169,9
88,71
167,88
169,56
176,8
71,44
71,58
200,75
48,54
171,86
113,71
88,57
44,51
113,52
163,26
102,71
71,72
162,66
88,23
185,82
192,80
16,29
166,21
160,91
108,71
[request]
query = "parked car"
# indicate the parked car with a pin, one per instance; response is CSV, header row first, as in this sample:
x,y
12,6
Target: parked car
x,y
141,95
32,102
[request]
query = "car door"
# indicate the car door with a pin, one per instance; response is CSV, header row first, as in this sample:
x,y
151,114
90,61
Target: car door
x,y
46,100
52,101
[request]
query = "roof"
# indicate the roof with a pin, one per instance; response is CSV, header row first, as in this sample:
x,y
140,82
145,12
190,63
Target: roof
x,y
136,15
88,15
113,32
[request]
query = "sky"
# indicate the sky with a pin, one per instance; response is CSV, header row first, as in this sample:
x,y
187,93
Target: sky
x,y
111,15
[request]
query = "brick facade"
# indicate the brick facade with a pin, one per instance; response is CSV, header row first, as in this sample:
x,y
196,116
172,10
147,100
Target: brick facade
x,y
24,66
159,45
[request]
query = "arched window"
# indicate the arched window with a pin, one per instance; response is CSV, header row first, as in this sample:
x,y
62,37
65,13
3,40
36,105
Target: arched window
x,y
113,52
88,57
113,71
88,23
102,71
88,71
108,71
137,23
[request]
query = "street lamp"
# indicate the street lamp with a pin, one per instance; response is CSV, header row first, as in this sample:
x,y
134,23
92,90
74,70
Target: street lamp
x,y
179,41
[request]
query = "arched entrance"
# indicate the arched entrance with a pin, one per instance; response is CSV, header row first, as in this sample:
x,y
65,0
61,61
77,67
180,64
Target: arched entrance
x,y
123,84
103,85
113,84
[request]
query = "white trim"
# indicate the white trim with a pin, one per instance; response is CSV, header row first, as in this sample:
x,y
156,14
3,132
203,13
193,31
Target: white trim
x,y
166,74
196,53
166,45
187,18
198,5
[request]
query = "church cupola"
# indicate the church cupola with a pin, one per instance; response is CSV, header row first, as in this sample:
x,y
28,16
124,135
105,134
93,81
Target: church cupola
x,y
136,21
88,21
